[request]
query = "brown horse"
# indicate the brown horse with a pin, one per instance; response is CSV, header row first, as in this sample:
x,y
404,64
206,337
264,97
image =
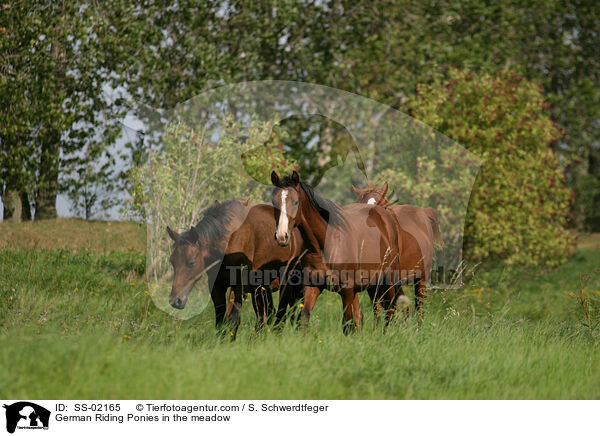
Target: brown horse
x,y
420,234
252,248
232,236
355,247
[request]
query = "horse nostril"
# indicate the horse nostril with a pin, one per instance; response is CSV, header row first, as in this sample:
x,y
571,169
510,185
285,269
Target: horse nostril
x,y
178,302
287,236
275,235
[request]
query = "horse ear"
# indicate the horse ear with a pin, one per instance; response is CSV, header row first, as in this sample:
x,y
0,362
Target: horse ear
x,y
385,189
356,190
275,179
172,234
295,177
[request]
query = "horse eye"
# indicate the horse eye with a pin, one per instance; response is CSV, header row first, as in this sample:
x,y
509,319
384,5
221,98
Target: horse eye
x,y
296,203
191,263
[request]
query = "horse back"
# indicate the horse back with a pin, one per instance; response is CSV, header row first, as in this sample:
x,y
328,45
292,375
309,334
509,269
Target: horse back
x,y
418,236
370,223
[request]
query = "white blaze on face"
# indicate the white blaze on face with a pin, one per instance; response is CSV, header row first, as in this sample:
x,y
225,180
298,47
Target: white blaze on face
x,y
371,201
282,226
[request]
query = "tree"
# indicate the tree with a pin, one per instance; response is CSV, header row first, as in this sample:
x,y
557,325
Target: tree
x,y
89,180
52,78
551,43
380,49
59,57
519,205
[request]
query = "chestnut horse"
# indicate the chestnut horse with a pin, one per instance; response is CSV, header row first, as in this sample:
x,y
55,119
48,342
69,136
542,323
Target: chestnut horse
x,y
232,236
345,244
420,234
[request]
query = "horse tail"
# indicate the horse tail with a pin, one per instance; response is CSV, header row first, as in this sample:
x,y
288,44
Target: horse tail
x,y
438,241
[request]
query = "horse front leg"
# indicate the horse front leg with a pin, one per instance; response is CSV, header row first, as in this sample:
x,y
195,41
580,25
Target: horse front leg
x,y
289,296
284,301
218,296
296,300
311,293
262,301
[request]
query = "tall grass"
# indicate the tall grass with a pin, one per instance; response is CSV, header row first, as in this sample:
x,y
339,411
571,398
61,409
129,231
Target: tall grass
x,y
81,325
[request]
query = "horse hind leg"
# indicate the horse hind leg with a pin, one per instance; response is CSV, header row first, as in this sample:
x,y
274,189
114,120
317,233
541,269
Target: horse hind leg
x,y
420,295
352,313
402,302
389,303
376,302
391,294
234,315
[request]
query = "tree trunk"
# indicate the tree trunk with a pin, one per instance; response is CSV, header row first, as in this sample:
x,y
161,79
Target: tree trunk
x,y
12,206
45,205
25,207
45,202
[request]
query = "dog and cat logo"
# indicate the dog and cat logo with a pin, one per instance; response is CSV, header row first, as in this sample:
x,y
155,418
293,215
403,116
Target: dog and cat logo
x,y
26,415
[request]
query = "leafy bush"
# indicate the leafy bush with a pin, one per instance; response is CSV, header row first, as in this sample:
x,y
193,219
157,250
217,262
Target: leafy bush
x,y
520,204
189,171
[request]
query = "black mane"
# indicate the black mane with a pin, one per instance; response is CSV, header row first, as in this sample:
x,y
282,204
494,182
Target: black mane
x,y
330,211
213,225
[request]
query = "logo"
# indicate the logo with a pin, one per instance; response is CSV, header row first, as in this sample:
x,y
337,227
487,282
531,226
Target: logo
x,y
26,415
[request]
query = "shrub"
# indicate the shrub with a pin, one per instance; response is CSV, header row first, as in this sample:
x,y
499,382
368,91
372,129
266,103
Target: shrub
x,y
520,203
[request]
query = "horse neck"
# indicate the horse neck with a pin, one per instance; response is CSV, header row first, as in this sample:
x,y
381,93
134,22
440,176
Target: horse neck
x,y
313,225
218,247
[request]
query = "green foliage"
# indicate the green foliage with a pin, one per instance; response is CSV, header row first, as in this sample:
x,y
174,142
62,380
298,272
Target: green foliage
x,y
519,205
53,78
163,55
551,43
444,181
89,181
189,171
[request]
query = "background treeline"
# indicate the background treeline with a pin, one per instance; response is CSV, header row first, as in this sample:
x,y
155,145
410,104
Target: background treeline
x,y
70,71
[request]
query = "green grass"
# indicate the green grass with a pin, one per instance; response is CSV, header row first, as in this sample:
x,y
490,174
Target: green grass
x,y
83,323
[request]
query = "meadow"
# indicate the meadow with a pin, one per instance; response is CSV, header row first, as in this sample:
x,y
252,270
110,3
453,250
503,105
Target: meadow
x,y
76,321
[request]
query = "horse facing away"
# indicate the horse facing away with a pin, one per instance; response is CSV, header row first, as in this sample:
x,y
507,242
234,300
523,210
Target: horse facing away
x,y
230,236
344,245
420,234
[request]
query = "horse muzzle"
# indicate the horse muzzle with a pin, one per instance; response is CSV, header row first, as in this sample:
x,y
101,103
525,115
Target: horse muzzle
x,y
177,302
282,241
